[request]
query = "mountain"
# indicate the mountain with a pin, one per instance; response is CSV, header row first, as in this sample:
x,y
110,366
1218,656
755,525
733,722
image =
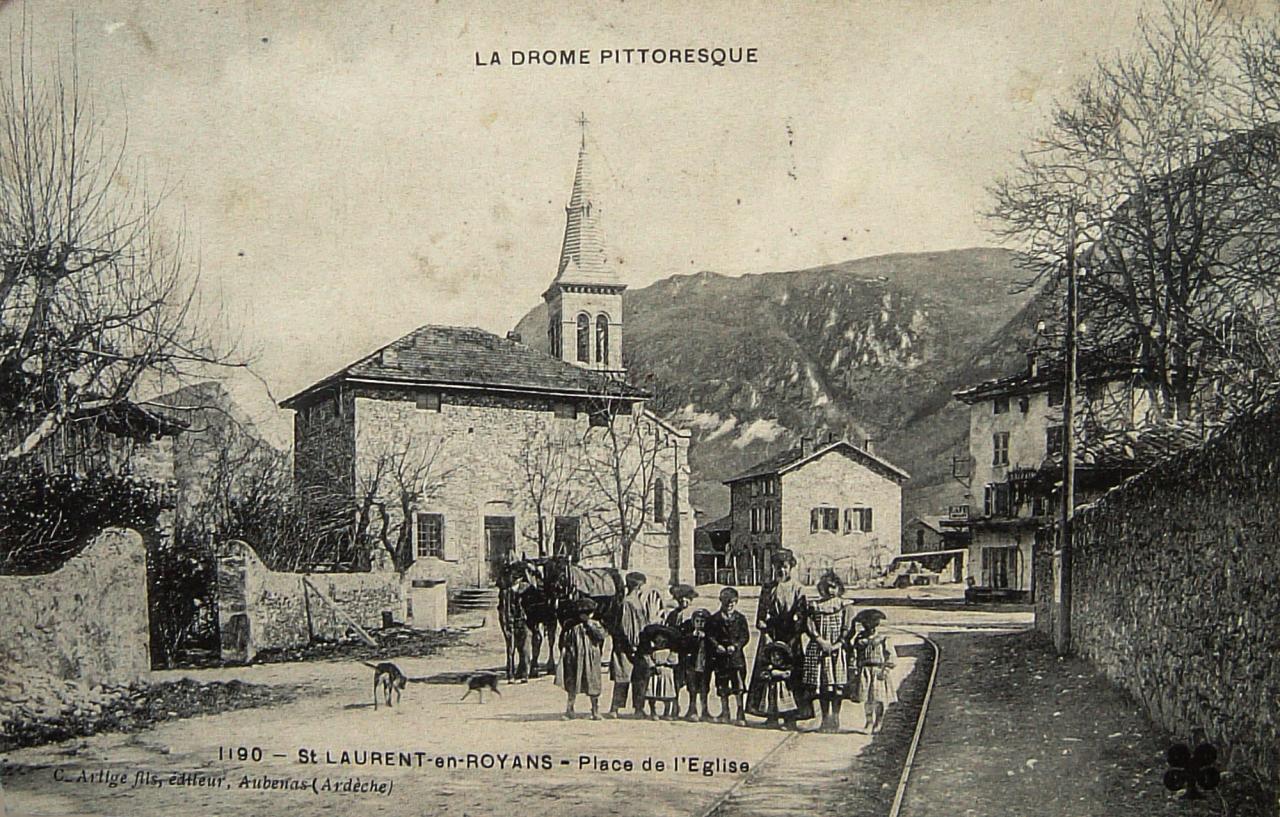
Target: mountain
x,y
865,349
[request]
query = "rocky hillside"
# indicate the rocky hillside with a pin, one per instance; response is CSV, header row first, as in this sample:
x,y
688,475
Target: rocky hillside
x,y
866,349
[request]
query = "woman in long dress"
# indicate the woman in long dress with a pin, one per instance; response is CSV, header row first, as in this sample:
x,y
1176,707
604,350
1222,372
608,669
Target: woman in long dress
x,y
826,674
780,619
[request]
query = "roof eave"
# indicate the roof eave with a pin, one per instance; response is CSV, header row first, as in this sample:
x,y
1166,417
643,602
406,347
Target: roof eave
x,y
635,394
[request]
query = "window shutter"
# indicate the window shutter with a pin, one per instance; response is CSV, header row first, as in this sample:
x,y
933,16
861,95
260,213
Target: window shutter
x,y
814,516
866,520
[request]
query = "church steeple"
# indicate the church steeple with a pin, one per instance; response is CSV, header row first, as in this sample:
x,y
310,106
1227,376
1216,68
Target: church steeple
x,y
584,301
582,255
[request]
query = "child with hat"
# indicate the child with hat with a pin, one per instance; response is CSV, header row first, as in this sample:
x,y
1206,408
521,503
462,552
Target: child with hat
x,y
579,667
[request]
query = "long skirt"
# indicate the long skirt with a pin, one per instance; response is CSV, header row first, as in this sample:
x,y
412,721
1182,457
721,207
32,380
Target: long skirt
x,y
578,671
825,673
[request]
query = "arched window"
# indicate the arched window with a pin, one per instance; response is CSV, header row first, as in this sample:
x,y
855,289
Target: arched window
x,y
584,339
659,501
602,340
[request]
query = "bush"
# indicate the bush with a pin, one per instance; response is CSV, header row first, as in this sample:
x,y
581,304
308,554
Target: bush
x,y
45,519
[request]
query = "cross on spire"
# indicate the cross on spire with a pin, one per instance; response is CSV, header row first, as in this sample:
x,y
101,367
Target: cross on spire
x,y
582,122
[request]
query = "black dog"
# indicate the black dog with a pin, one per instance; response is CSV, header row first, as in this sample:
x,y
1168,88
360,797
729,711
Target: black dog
x,y
389,677
480,682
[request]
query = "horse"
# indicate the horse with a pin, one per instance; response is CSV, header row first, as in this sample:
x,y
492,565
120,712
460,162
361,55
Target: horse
x,y
566,581
521,583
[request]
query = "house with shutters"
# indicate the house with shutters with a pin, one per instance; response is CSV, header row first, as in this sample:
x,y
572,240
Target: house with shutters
x,y
1014,465
473,449
835,506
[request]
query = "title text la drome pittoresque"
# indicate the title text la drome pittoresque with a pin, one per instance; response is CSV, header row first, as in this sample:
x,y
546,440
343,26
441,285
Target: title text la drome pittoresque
x,y
713,56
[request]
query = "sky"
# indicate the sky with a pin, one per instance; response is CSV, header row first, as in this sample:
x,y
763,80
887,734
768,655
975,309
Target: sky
x,y
346,171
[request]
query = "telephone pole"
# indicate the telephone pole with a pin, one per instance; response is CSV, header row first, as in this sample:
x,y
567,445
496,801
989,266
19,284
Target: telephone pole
x,y
1062,555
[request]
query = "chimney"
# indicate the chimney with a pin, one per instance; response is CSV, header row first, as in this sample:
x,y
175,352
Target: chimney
x,y
870,446
389,356
806,446
513,336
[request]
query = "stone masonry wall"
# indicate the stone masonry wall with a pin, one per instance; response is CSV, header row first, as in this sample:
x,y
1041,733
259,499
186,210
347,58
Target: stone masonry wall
x,y
260,608
86,621
479,446
1175,592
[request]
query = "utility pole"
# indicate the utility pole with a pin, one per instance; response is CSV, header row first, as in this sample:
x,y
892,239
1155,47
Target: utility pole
x,y
1062,555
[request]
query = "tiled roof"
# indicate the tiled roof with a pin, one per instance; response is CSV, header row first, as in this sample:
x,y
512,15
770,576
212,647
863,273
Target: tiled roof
x,y
1048,373
473,358
794,457
1133,450
724,523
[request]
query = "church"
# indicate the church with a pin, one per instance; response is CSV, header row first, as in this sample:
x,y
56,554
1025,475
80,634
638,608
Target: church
x,y
461,449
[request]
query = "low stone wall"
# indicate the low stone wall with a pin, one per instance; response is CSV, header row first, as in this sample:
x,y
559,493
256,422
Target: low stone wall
x,y
1176,592
259,608
86,621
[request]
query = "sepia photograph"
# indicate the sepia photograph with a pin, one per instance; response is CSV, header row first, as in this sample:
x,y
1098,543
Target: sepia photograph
x,y
644,409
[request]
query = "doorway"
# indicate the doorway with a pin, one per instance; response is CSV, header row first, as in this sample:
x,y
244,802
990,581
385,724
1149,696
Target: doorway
x,y
500,543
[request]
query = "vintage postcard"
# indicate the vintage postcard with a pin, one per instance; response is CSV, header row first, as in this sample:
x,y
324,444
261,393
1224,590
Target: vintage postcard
x,y
640,408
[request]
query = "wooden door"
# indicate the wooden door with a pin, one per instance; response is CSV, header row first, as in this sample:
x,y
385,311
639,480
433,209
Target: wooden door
x,y
500,543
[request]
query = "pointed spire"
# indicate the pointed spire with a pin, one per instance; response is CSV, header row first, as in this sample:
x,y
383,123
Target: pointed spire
x,y
582,255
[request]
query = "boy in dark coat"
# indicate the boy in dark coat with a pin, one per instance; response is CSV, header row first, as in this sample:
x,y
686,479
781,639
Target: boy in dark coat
x,y
729,636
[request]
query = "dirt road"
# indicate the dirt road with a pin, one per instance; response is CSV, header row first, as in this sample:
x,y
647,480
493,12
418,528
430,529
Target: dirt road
x,y
434,754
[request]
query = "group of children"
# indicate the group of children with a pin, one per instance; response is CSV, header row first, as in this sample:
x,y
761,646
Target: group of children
x,y
844,656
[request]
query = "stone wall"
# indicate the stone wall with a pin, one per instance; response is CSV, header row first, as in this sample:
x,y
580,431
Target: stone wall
x,y
1175,592
260,608
483,446
86,621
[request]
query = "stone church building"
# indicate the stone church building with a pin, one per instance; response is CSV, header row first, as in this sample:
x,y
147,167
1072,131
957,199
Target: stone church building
x,y
477,448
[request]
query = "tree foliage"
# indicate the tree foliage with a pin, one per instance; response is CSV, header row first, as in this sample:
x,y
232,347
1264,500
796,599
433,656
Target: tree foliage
x,y
1158,174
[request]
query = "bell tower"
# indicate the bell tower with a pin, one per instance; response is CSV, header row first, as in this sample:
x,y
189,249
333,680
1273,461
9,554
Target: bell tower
x,y
584,302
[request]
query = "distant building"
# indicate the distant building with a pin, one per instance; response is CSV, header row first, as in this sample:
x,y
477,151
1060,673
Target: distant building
x,y
1014,468
711,561
493,450
836,507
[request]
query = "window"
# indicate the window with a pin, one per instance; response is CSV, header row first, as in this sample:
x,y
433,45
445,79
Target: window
x,y
430,536
429,401
1000,405
553,333
756,520
755,487
768,519
1038,506
1053,439
1000,448
996,499
770,487
567,541
857,520
920,539
827,519
602,339
659,501
1055,396
584,339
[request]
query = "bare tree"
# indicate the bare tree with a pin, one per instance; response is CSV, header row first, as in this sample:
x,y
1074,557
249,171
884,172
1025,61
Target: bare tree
x,y
1144,173
404,472
96,294
551,466
623,451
